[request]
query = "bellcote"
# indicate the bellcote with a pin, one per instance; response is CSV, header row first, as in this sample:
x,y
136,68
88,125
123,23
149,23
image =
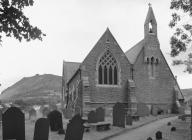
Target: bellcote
x,y
150,25
151,45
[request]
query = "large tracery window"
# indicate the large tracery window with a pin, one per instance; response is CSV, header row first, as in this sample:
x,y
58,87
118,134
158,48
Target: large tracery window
x,y
107,69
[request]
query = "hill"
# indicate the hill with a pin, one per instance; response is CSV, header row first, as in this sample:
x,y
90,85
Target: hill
x,y
44,86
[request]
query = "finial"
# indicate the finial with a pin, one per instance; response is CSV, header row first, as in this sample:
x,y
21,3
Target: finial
x,y
149,4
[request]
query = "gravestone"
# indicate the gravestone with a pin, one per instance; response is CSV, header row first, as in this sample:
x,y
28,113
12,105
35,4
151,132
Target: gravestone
x,y
13,124
92,117
173,128
55,120
158,135
100,113
75,128
119,115
32,114
41,129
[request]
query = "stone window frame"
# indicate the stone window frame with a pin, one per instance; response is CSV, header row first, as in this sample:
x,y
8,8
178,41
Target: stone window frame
x,y
118,71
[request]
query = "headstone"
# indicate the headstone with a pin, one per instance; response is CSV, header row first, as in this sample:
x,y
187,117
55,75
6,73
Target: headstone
x,y
92,117
100,113
173,128
119,115
41,129
13,122
55,120
158,135
75,128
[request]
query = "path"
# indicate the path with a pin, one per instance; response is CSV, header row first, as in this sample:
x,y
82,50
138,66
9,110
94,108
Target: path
x,y
142,133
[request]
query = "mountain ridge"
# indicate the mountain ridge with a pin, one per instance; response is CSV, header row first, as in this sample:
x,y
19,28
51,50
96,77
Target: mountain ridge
x,y
44,85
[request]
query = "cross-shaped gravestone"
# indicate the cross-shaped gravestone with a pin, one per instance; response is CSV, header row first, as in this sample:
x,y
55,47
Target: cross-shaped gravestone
x,y
41,129
75,128
13,122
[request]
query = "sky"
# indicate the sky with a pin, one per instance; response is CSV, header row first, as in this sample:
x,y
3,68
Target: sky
x,y
73,27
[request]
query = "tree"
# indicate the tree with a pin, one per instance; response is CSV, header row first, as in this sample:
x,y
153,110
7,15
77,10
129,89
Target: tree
x,y
181,24
13,22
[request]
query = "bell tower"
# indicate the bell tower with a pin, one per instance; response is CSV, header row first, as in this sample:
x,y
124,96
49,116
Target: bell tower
x,y
151,43
150,26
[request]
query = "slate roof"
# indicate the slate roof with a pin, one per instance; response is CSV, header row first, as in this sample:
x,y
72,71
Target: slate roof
x,y
69,69
134,52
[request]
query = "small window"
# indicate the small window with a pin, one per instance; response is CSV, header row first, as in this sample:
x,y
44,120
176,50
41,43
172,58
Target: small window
x,y
157,61
147,60
152,60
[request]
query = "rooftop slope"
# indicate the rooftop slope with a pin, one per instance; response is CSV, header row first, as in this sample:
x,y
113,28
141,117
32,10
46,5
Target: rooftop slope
x,y
69,69
33,87
134,52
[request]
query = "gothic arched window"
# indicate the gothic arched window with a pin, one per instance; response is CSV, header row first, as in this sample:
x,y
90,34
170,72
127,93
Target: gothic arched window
x,y
107,69
148,60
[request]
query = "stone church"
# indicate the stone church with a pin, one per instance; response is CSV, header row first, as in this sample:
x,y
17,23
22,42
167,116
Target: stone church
x,y
107,75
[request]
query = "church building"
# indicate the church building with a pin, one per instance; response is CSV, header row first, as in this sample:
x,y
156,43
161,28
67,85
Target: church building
x,y
108,75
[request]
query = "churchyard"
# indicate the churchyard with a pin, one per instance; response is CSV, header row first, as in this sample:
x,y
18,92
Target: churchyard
x,y
176,130
51,124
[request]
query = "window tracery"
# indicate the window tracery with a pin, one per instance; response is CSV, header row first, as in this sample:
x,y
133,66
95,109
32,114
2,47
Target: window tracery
x,y
107,69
